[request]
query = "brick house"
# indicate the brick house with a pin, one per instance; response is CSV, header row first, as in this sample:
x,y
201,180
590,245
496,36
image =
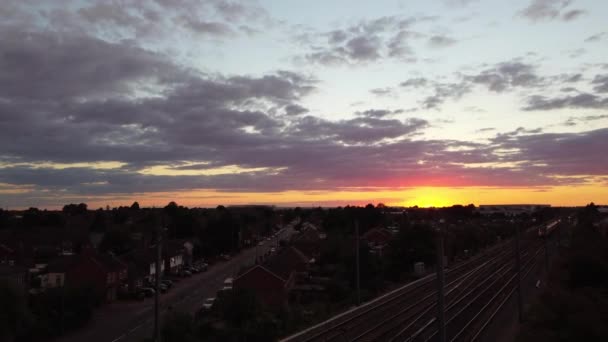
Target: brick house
x,y
308,241
288,260
103,272
377,239
272,282
270,288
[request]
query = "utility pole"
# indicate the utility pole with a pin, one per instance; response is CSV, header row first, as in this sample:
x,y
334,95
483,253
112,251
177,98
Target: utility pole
x,y
157,290
545,238
358,265
440,287
520,300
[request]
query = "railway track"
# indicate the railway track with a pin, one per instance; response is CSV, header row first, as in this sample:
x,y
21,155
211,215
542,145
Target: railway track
x,y
475,290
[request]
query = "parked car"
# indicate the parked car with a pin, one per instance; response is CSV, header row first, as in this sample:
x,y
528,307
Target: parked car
x,y
227,284
148,291
138,295
167,282
204,267
185,273
208,303
261,243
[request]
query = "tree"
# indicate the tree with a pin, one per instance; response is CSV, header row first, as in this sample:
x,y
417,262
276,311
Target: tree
x,y
412,244
116,241
135,206
15,317
75,209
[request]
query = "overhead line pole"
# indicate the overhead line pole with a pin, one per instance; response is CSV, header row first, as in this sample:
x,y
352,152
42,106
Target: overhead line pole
x,y
358,264
520,300
440,288
157,290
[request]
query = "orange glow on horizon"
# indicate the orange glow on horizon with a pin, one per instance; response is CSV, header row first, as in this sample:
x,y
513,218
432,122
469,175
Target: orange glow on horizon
x,y
416,196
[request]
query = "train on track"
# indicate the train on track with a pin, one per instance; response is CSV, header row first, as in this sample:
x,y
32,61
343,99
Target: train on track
x,y
546,230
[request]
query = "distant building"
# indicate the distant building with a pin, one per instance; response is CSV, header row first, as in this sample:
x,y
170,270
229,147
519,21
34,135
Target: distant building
x,y
510,209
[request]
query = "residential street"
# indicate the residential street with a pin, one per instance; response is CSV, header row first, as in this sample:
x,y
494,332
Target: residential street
x,y
134,321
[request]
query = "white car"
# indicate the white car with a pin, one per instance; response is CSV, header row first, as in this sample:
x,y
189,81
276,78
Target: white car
x,y
208,303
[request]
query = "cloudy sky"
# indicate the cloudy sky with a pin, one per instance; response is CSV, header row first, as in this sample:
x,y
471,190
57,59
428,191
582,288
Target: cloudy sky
x,y
210,102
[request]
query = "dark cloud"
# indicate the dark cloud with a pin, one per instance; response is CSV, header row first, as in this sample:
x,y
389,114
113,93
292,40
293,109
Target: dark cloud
x,y
572,14
382,91
575,53
573,121
376,113
150,20
560,152
596,37
582,100
539,10
441,41
70,96
444,92
366,41
594,117
295,109
600,83
572,78
337,36
363,48
212,28
542,159
459,3
506,75
415,82
42,65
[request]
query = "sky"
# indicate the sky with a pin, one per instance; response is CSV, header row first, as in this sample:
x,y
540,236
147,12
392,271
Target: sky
x,y
310,103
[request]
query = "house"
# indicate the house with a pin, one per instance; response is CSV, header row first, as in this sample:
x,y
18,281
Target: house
x,y
173,253
270,288
141,264
103,272
308,241
289,260
54,273
377,239
7,255
14,274
273,281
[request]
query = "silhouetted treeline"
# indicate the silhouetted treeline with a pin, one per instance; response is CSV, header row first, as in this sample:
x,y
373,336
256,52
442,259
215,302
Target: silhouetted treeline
x,y
573,306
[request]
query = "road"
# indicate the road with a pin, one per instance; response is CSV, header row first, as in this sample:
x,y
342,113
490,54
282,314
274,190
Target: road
x,y
134,321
